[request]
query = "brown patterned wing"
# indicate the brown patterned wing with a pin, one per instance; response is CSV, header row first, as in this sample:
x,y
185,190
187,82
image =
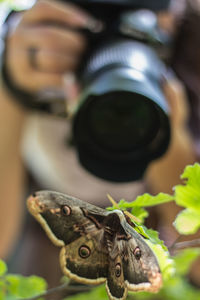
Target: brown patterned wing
x,y
132,263
85,260
75,226
63,217
140,266
115,284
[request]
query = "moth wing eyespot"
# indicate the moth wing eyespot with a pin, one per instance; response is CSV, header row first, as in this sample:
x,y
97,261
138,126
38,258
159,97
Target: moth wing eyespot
x,y
66,210
117,270
137,253
84,251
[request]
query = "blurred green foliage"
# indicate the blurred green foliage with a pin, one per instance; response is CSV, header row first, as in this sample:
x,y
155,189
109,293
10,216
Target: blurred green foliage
x,y
15,287
188,196
17,4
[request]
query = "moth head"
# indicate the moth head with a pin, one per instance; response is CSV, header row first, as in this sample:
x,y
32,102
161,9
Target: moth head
x,y
56,204
41,201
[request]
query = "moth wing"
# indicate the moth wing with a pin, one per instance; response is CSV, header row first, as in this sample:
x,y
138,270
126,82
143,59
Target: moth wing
x,y
64,218
85,259
115,284
77,227
140,266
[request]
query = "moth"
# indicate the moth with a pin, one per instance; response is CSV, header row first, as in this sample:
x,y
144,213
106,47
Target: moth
x,y
97,245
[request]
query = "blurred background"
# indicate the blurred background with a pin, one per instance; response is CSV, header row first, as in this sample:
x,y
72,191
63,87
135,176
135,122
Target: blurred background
x,y
37,149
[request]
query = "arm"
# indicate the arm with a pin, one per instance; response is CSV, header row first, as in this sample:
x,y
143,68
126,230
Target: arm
x,y
58,51
11,172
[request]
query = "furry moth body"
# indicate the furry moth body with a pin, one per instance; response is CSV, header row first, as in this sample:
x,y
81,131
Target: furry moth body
x,y
96,245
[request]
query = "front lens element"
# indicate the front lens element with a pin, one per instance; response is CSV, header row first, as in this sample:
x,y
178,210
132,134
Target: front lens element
x,y
122,121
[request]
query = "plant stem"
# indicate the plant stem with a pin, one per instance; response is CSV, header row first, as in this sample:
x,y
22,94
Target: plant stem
x,y
186,244
65,286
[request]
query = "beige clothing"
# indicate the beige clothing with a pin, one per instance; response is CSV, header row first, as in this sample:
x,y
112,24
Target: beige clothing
x,y
55,164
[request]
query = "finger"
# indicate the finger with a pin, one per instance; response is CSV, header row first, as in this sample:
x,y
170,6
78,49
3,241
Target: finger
x,y
44,60
28,78
18,60
54,61
42,80
57,49
57,12
53,38
71,89
35,81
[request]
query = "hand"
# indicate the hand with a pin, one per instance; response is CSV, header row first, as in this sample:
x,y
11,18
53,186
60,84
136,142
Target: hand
x,y
45,45
164,173
179,110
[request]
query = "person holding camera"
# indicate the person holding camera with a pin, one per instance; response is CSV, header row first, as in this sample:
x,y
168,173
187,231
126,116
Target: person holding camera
x,y
44,47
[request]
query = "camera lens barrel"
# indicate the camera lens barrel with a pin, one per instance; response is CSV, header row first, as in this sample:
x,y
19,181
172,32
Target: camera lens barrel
x,y
122,121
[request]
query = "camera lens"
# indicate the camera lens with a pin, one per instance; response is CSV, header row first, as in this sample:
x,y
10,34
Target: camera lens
x,y
122,121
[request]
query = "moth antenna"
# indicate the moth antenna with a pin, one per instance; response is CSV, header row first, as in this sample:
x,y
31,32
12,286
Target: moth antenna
x,y
132,217
113,202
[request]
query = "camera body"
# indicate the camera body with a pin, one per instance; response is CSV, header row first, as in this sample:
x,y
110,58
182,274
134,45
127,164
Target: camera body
x,y
121,123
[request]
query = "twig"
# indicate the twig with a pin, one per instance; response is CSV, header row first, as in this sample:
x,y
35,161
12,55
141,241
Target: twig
x,y
65,286
174,243
186,244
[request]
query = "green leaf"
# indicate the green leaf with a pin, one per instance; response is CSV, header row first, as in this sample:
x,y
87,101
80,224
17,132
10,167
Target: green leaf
x,y
147,200
142,296
24,287
153,237
3,288
123,204
140,213
166,263
188,195
184,260
192,174
13,283
3,267
137,211
187,222
141,229
98,293
178,288
36,284
18,4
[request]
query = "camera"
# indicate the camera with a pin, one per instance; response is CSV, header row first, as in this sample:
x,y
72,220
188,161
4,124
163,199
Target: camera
x,y
121,123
